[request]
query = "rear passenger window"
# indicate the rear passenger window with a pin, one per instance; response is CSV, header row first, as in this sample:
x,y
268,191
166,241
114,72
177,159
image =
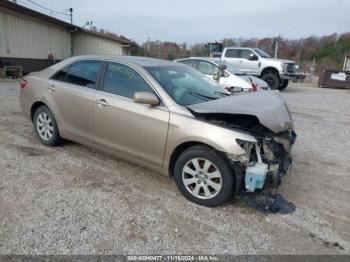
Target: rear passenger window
x,y
84,73
122,80
232,53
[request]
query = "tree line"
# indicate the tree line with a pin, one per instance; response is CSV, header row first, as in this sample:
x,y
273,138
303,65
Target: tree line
x,y
326,51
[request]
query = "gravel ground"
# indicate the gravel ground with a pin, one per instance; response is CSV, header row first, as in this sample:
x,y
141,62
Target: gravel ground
x,y
74,200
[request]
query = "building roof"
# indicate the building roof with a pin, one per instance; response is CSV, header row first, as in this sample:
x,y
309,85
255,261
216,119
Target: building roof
x,y
30,12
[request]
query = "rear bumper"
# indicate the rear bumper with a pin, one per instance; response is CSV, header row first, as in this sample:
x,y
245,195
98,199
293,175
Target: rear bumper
x,y
24,104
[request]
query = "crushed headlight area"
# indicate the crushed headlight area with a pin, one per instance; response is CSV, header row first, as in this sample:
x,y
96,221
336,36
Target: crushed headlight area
x,y
261,171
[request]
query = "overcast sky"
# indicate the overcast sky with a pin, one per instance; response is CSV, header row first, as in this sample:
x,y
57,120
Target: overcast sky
x,y
209,20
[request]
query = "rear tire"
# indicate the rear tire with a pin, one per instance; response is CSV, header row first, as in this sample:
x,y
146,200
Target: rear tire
x,y
272,80
283,85
45,127
204,176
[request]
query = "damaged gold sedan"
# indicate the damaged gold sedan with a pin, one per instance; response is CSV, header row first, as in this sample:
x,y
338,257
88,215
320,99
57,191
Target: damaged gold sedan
x,y
165,116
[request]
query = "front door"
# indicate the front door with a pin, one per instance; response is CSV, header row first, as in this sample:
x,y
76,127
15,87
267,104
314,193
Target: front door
x,y
207,68
246,65
121,125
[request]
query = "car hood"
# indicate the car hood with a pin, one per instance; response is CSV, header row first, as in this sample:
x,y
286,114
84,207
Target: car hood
x,y
269,107
235,81
259,82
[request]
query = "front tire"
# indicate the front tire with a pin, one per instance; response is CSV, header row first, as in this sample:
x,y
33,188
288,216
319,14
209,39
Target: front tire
x,y
272,80
45,127
204,176
283,85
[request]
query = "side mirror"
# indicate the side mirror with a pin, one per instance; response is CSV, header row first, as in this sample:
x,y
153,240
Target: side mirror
x,y
220,73
146,98
222,67
221,70
253,57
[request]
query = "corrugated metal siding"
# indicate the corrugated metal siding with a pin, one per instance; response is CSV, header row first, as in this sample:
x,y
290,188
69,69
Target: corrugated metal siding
x,y
25,37
85,44
3,41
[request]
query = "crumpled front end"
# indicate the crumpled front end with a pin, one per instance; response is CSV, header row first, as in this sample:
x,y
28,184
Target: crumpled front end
x,y
265,162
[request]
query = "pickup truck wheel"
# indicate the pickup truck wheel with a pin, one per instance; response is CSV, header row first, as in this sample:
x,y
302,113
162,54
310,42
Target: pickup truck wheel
x,y
204,176
283,85
272,80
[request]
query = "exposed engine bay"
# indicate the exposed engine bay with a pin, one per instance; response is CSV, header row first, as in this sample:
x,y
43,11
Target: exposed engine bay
x,y
266,162
270,157
266,117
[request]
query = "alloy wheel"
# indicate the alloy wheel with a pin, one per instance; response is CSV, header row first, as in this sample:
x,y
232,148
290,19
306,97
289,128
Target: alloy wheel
x,y
44,125
202,178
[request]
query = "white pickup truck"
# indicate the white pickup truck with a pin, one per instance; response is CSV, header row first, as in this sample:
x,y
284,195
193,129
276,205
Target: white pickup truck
x,y
254,61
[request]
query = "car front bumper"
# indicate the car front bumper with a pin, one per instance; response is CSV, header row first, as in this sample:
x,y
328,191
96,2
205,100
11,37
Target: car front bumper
x,y
270,160
287,76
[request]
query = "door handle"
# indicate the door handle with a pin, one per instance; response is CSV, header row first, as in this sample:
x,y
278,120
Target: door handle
x,y
102,102
51,87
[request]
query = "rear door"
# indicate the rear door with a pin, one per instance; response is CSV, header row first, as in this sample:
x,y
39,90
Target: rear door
x,y
126,127
71,97
232,56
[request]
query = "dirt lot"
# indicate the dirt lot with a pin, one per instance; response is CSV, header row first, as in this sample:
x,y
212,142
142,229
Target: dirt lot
x,y
73,200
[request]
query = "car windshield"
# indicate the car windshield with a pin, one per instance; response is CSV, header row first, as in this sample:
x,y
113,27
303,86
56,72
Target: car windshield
x,y
186,85
262,53
232,69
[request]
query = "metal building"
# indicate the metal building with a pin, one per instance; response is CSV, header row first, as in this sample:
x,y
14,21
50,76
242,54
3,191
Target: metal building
x,y
34,40
90,42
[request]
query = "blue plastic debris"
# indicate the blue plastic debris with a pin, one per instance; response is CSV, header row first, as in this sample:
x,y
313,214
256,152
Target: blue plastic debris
x,y
255,176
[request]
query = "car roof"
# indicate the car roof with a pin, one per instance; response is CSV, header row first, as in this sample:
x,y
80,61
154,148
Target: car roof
x,y
210,59
138,60
239,48
213,60
146,61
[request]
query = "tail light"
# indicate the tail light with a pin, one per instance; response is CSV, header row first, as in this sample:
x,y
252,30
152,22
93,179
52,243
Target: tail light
x,y
254,87
23,83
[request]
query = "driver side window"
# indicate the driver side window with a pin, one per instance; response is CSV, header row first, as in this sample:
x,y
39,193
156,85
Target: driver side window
x,y
207,68
246,54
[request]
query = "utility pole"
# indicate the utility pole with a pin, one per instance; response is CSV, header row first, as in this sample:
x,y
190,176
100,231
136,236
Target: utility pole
x,y
90,25
313,68
276,47
71,15
147,47
71,33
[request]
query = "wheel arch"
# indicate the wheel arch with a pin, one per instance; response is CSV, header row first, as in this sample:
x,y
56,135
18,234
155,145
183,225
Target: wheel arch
x,y
269,69
34,107
182,148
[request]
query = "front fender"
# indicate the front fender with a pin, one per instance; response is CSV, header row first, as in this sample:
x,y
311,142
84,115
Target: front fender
x,y
184,129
